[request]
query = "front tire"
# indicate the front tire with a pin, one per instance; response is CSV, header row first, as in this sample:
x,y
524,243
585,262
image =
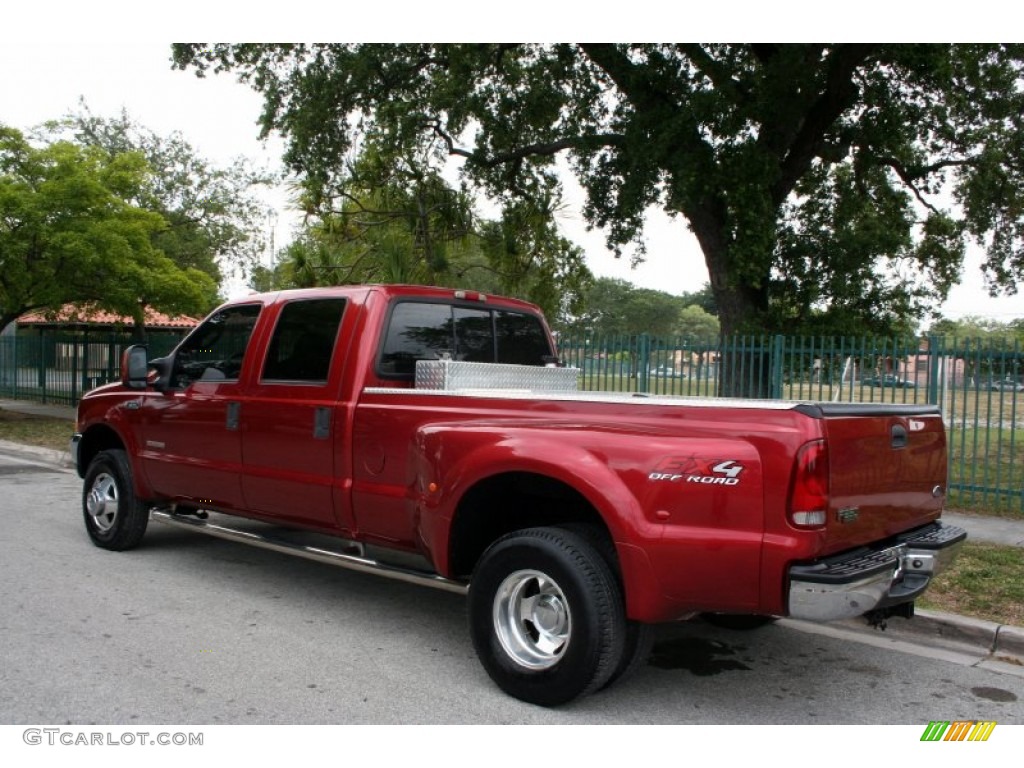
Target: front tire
x,y
546,616
115,518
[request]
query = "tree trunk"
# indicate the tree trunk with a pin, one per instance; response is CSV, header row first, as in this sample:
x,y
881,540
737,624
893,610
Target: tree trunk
x,y
744,365
139,326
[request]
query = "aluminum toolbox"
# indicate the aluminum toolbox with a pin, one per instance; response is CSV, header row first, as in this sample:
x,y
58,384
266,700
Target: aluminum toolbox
x,y
450,375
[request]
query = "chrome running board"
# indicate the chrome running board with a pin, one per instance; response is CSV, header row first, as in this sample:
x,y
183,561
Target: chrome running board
x,y
351,562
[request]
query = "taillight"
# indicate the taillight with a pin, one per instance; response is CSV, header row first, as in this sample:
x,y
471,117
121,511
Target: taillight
x,y
808,494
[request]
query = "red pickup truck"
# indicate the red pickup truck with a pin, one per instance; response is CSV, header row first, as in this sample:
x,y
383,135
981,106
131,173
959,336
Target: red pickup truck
x,y
429,435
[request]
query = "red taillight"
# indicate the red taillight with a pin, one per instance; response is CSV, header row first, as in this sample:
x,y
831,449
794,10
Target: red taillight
x,y
808,494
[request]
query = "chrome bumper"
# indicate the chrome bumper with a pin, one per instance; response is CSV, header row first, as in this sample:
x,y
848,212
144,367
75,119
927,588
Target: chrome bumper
x,y
854,583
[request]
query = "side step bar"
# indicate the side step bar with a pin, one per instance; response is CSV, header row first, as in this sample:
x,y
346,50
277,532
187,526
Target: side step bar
x,y
351,562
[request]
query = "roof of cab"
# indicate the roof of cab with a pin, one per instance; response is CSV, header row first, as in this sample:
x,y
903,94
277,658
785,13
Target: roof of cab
x,y
389,291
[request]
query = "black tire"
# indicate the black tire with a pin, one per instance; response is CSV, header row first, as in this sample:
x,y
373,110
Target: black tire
x,y
115,518
636,653
741,622
639,637
573,639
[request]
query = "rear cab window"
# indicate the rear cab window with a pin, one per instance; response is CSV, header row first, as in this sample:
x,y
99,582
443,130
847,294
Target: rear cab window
x,y
419,330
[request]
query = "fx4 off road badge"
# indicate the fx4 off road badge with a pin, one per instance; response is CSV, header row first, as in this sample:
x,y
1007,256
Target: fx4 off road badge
x,y
693,469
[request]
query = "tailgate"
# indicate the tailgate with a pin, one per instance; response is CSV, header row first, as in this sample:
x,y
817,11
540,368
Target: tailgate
x,y
887,471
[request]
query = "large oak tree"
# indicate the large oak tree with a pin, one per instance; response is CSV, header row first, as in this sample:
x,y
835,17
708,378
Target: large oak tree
x,y
820,180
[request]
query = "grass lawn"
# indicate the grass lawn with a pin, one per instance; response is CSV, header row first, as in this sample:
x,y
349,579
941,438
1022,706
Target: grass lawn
x,y
44,431
985,581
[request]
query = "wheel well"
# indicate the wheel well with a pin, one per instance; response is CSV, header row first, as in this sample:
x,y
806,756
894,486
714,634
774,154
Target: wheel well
x,y
96,439
509,502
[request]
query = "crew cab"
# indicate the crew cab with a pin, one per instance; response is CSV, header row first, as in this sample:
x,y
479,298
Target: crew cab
x,y
430,435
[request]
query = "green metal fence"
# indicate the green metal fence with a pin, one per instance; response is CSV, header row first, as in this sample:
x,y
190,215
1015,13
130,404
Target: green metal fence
x,y
51,367
978,385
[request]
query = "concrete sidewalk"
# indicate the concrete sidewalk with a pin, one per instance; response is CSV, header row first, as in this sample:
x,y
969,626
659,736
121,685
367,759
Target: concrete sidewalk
x,y
38,409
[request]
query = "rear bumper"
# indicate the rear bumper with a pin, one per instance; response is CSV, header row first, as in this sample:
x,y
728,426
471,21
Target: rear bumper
x,y
870,578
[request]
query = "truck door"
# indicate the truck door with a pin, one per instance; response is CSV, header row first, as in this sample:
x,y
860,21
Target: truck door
x,y
191,447
292,422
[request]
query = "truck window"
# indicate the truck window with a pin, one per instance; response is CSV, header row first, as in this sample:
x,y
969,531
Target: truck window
x,y
417,332
424,331
521,339
303,341
474,335
216,349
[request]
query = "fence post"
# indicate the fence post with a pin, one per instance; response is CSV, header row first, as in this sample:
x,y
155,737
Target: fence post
x,y
74,370
643,353
778,364
41,363
935,368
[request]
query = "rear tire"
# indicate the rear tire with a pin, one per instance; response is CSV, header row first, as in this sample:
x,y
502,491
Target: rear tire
x,y
639,636
546,616
115,518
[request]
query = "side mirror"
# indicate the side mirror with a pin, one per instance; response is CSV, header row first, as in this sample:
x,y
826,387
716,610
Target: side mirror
x,y
134,367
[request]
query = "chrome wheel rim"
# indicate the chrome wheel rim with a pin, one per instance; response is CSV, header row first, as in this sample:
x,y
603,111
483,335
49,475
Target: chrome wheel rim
x,y
532,619
102,501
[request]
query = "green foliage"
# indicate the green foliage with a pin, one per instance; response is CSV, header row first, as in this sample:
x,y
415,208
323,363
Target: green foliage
x,y
214,216
617,307
818,178
405,224
695,323
68,233
973,327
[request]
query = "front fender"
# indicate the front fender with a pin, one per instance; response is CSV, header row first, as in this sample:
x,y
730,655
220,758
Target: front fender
x,y
113,431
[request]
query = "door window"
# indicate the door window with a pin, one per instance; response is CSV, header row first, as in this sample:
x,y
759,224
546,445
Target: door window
x,y
216,349
303,341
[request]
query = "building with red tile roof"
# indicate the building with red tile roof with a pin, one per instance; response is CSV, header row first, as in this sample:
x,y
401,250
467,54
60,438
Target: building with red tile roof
x,y
71,317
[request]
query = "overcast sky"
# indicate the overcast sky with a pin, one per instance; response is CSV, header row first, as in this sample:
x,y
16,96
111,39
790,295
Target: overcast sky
x,y
44,80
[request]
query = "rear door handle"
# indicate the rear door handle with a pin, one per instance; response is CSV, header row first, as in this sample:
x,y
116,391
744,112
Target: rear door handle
x,y
234,409
899,436
322,423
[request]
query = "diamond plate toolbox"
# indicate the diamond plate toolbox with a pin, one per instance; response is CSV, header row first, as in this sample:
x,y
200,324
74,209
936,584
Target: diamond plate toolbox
x,y
452,375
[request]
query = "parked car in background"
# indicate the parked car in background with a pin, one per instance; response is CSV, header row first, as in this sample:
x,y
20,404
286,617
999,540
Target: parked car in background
x,y
888,380
1006,385
665,371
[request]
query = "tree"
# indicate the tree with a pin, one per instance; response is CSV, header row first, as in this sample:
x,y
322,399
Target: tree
x,y
69,234
973,327
617,307
214,215
813,175
405,224
695,323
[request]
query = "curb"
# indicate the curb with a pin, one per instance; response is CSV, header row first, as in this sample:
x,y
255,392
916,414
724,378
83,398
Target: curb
x,y
998,642
46,455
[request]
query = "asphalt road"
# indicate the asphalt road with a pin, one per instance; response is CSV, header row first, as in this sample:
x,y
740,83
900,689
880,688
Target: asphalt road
x,y
192,630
